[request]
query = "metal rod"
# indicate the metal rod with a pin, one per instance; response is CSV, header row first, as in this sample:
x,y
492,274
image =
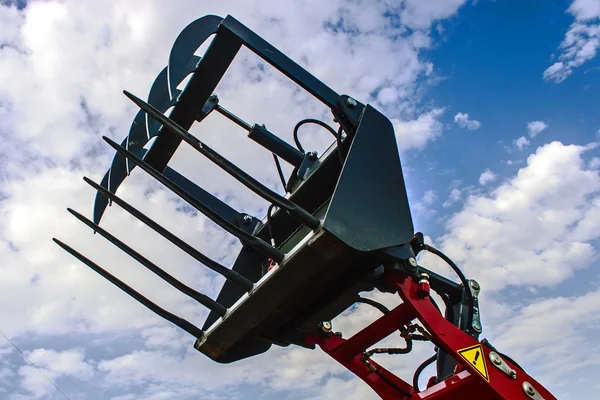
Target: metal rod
x,y
232,117
177,284
215,266
180,322
304,216
259,244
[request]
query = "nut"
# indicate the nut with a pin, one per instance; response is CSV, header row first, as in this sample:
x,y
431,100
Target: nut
x,y
528,388
326,326
495,358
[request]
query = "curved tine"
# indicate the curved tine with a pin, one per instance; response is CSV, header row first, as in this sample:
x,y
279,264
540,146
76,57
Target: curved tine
x,y
135,141
160,97
180,322
304,216
183,288
118,169
215,266
188,41
100,202
252,240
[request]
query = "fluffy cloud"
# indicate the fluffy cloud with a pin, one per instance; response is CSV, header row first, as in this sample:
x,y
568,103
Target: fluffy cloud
x,y
53,365
535,127
462,119
420,14
455,195
536,329
417,133
487,176
521,142
423,207
536,228
581,41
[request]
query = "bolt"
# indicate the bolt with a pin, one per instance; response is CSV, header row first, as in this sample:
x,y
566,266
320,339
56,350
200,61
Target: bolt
x,y
351,102
412,262
326,326
477,326
528,388
475,310
214,97
513,374
247,219
474,285
495,358
312,155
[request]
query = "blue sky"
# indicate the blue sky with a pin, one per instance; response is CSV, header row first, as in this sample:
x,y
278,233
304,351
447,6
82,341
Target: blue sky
x,y
494,105
489,60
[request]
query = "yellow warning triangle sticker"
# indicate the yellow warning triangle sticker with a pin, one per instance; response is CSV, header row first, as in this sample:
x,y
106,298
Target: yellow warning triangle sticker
x,y
476,359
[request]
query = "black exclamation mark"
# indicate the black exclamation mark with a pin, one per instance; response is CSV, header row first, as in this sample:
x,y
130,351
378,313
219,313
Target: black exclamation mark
x,y
476,358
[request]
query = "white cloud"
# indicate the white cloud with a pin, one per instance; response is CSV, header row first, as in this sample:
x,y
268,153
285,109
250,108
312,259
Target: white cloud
x,y
521,142
69,362
487,176
536,228
581,41
421,14
585,9
424,207
54,365
536,328
429,197
455,195
535,127
462,119
417,133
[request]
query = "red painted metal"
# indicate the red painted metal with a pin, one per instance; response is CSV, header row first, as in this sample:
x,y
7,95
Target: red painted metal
x,y
466,383
424,287
358,368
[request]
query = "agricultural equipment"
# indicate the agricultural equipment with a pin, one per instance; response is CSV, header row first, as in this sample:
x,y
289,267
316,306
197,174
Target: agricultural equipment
x,y
343,227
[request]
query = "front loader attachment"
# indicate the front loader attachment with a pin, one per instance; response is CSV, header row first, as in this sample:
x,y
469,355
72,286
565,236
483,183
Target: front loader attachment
x,y
307,260
343,226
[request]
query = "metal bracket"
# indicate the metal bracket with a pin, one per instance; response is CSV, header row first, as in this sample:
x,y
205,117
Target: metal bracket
x,y
307,162
476,322
499,363
209,106
531,392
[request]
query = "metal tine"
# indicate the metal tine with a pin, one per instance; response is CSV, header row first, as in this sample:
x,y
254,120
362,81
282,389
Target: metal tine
x,y
259,244
304,216
180,322
182,287
215,266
